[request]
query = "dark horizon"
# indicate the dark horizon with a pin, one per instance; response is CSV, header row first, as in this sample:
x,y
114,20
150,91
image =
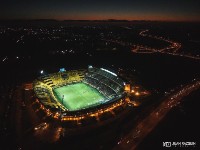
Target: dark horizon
x,y
100,20
161,10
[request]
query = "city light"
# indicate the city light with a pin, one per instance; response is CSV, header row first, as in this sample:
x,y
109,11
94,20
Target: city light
x,y
137,93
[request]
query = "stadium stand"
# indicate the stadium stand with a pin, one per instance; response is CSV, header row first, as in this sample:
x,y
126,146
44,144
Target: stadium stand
x,y
106,82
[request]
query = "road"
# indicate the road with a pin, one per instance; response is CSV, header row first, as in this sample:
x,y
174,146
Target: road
x,y
144,127
173,47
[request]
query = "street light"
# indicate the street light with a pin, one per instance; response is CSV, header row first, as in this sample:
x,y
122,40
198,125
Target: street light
x,y
42,71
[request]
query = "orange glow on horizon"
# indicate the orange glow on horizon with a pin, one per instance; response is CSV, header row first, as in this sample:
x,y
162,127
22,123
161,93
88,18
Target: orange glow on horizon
x,y
149,17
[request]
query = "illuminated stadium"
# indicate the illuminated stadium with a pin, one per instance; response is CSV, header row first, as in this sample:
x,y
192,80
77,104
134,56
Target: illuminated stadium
x,y
79,95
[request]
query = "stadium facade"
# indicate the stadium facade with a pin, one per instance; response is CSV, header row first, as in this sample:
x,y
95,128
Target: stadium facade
x,y
81,96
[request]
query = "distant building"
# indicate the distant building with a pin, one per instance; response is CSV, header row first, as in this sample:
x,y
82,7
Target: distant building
x,y
127,87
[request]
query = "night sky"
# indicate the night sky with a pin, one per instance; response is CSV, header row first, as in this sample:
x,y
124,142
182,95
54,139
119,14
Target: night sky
x,y
165,10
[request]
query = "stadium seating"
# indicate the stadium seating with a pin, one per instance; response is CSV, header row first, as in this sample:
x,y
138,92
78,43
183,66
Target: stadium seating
x,y
106,83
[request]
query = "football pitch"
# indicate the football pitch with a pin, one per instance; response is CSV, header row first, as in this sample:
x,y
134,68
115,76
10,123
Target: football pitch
x,y
78,96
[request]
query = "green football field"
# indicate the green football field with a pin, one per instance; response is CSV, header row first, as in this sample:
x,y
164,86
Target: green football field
x,y
78,96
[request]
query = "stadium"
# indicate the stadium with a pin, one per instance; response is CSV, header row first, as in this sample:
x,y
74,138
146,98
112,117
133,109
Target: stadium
x,y
80,96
